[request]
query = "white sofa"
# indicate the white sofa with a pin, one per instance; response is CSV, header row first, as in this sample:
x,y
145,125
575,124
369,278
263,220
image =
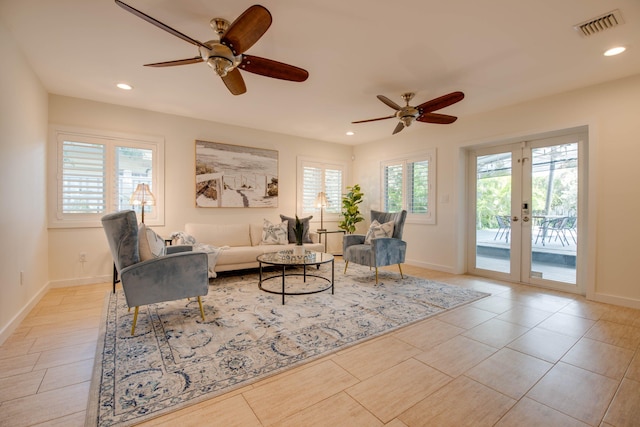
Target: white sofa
x,y
241,243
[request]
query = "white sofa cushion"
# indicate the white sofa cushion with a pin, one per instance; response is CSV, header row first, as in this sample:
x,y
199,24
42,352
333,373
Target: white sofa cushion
x,y
255,231
220,235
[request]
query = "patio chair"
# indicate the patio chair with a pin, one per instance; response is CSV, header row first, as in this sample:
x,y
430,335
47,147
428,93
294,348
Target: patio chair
x,y
570,227
504,227
549,227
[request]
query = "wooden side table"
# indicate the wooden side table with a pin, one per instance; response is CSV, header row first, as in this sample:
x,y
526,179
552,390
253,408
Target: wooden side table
x,y
326,238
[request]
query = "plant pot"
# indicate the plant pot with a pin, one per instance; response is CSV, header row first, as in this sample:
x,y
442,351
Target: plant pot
x,y
298,250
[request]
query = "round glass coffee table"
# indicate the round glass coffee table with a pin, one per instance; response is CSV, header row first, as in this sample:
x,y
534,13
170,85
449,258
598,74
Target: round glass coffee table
x,y
286,258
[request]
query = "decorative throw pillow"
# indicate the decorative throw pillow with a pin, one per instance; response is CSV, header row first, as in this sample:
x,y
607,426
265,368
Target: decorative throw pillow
x,y
274,234
292,224
182,238
379,230
150,245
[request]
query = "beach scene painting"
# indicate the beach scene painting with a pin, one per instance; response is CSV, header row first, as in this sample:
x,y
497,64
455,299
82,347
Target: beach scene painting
x,y
234,176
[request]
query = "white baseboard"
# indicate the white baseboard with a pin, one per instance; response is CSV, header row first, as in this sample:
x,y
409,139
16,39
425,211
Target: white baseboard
x,y
615,300
81,281
19,317
437,267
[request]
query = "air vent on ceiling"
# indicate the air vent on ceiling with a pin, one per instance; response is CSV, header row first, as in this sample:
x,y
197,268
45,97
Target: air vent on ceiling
x,y
600,23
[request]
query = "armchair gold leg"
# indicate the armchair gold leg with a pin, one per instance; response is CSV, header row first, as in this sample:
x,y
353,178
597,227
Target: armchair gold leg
x,y
135,319
400,268
201,309
376,274
346,264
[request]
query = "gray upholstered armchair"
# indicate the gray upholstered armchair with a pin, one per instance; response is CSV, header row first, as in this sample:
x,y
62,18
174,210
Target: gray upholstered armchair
x,y
382,250
165,278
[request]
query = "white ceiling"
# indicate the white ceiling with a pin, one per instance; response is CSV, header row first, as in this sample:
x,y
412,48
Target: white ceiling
x,y
498,52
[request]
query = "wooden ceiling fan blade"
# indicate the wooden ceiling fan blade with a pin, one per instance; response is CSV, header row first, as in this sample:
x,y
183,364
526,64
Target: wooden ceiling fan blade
x,y
374,120
389,102
234,82
247,29
441,102
398,128
159,24
441,119
186,61
274,69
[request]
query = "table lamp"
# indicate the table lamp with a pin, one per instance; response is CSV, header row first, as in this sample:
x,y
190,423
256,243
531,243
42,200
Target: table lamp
x,y
321,202
142,196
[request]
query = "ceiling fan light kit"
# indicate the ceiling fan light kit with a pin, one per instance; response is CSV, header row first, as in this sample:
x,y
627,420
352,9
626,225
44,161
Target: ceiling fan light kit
x,y
422,113
226,55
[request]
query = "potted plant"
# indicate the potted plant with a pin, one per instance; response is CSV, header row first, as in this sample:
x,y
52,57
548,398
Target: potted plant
x,y
298,230
350,210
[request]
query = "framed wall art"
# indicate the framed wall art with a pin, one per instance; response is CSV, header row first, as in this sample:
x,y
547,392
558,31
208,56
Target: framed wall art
x,y
234,176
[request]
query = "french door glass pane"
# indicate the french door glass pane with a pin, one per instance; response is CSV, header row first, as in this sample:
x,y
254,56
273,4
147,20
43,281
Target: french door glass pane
x,y
493,210
554,212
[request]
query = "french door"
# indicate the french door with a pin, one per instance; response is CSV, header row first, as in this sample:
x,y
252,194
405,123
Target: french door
x,y
526,201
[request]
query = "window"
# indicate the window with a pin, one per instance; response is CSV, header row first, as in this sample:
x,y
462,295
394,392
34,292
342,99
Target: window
x,y
410,184
98,172
315,177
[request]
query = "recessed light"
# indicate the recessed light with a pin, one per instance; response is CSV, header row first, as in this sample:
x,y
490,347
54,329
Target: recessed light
x,y
615,51
350,133
124,86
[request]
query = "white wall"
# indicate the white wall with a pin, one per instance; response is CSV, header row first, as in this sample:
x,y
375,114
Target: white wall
x,y
611,113
51,256
23,134
179,134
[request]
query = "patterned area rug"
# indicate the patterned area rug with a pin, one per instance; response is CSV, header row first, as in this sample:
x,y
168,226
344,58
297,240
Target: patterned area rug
x,y
175,359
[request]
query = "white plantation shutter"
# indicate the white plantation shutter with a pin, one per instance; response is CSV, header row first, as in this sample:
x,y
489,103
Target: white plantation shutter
x,y
83,189
97,174
333,190
418,187
311,186
408,184
316,177
392,187
133,166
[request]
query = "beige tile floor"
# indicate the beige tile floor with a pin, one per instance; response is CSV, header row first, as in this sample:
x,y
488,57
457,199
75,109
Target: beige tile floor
x,y
521,357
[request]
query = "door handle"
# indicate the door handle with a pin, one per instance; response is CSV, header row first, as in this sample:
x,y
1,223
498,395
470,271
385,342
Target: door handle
x,y
515,219
525,218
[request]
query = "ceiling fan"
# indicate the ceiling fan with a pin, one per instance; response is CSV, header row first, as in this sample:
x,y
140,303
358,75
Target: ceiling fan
x,y
226,55
422,113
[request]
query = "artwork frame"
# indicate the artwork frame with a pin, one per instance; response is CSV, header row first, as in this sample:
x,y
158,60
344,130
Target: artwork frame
x,y
235,176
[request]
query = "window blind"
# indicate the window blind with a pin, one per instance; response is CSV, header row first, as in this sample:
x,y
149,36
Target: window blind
x,y
393,188
83,178
418,187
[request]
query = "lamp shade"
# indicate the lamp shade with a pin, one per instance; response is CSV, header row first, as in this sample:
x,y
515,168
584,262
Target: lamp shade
x,y
321,200
142,196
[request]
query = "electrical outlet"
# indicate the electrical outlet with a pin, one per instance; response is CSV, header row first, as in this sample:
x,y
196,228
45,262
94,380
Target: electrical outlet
x,y
82,257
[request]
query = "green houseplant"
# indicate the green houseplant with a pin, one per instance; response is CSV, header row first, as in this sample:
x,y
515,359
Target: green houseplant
x,y
298,230
350,209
